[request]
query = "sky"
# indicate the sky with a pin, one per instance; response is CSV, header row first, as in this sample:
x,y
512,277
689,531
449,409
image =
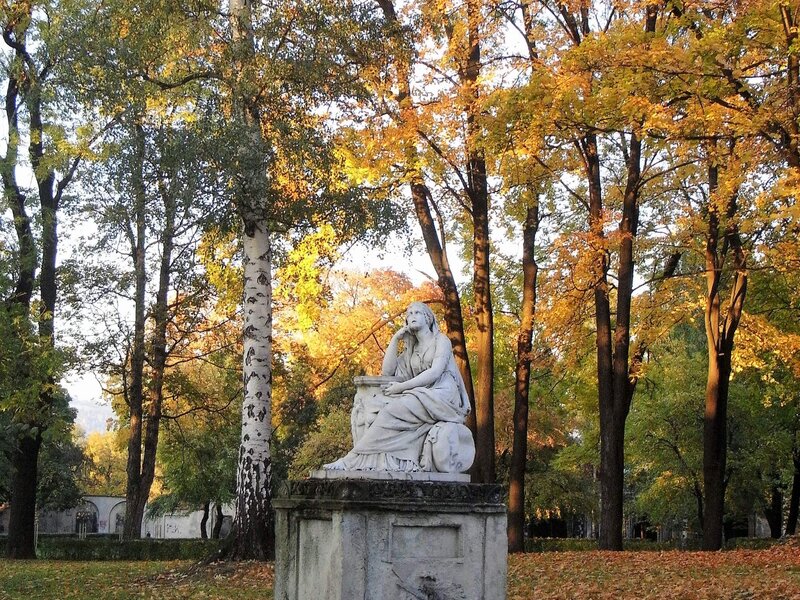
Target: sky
x,y
86,397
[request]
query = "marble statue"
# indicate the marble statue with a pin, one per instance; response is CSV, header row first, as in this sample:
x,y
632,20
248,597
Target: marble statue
x,y
412,417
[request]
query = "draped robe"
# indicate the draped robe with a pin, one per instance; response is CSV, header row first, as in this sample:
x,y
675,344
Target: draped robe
x,y
393,429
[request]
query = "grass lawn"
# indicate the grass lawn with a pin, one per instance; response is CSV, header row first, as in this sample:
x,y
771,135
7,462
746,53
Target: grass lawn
x,y
772,574
118,580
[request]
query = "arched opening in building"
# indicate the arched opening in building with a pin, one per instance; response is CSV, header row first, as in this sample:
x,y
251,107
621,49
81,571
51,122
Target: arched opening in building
x,y
86,515
116,518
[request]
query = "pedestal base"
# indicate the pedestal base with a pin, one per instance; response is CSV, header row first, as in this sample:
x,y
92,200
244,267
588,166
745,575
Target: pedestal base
x,y
343,539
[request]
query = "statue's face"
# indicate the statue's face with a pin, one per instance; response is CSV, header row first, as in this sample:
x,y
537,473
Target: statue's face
x,y
415,318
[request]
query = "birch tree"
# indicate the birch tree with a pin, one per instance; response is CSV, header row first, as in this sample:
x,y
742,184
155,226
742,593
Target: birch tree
x,y
254,525
287,60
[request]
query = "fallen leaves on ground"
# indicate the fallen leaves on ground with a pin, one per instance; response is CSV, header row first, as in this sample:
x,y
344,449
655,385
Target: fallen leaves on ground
x,y
772,574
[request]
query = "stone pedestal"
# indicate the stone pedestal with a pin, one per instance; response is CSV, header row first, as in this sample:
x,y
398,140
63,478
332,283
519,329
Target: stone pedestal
x,y
367,539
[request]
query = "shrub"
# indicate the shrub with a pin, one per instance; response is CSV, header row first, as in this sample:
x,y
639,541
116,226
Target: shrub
x,y
560,544
585,544
110,547
745,543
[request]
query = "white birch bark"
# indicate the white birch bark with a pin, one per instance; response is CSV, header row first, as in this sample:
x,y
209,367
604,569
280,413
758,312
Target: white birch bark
x,y
253,477
254,531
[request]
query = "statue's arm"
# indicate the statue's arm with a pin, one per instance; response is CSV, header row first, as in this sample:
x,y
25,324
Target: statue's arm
x,y
390,358
429,376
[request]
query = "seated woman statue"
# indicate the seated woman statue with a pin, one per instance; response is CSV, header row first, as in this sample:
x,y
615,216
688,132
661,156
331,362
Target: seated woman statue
x,y
426,398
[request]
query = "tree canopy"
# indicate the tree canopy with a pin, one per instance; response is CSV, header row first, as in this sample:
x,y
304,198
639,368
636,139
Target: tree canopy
x,y
607,193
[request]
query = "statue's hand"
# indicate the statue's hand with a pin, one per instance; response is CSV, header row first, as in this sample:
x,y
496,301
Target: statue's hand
x,y
394,389
400,332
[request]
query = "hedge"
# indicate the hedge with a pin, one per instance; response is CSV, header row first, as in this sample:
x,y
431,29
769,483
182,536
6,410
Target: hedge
x,y
112,548
560,544
584,544
748,543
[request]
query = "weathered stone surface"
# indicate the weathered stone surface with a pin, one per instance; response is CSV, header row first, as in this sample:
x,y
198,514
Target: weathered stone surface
x,y
386,539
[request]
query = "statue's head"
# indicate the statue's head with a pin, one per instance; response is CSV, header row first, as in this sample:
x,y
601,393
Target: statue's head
x,y
427,313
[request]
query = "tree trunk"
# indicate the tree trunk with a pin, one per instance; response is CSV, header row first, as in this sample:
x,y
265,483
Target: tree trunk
x,y
453,317
715,448
720,331
478,192
48,288
774,512
484,344
215,532
24,472
49,223
254,526
610,526
204,521
134,391
612,478
146,402
617,383
25,458
623,372
255,530
611,460
519,453
794,498
23,291
616,374
158,360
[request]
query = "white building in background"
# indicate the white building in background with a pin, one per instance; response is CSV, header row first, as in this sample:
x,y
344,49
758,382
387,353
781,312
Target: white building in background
x,y
106,514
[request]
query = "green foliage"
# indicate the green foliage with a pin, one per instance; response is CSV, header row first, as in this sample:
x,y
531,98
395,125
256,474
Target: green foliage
x,y
60,464
563,446
294,415
199,447
329,440
747,543
338,148
665,430
7,445
587,545
28,366
61,459
103,472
